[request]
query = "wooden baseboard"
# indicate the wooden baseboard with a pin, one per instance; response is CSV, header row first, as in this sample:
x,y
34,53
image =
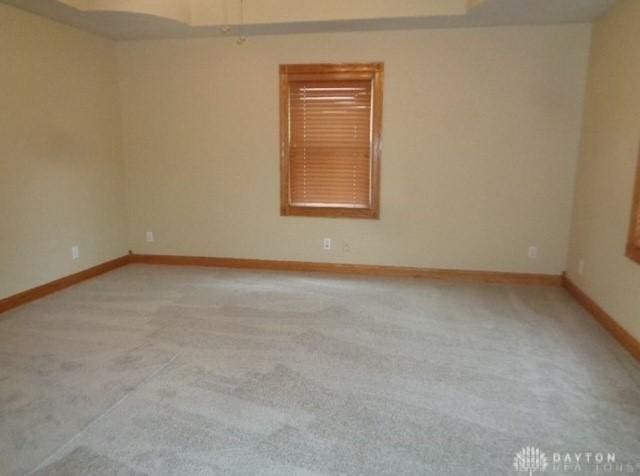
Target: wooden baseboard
x,y
608,322
276,265
358,269
53,286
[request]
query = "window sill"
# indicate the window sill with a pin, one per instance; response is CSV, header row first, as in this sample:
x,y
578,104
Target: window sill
x,y
330,212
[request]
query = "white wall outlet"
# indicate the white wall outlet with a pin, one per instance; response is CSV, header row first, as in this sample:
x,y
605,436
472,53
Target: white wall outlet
x,y
75,252
327,244
346,247
533,252
150,237
581,266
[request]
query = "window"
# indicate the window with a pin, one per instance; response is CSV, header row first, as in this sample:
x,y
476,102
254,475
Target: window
x,y
633,248
330,120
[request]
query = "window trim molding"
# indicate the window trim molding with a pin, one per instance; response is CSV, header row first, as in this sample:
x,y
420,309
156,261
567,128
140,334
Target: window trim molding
x,y
372,71
633,249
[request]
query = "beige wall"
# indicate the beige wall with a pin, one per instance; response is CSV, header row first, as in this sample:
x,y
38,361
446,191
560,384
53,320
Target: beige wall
x,y
609,152
480,138
61,171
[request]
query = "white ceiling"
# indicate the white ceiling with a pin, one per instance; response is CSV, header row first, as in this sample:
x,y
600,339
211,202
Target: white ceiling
x,y
127,25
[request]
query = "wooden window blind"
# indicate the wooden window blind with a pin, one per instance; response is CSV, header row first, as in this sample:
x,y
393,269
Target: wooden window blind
x,y
633,247
330,139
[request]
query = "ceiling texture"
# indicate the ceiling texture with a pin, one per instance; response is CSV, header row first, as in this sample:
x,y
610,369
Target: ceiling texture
x,y
142,19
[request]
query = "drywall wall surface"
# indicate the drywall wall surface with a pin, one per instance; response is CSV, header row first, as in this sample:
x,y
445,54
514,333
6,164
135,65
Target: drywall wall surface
x,y
606,169
61,166
480,140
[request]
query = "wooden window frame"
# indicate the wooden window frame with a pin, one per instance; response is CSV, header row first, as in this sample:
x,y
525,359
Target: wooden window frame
x,y
345,71
633,245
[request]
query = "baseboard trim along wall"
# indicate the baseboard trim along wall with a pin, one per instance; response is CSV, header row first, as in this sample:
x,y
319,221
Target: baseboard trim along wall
x,y
53,286
609,323
278,265
358,269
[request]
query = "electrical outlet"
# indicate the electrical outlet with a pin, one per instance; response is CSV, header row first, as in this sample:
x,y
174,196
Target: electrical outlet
x,y
327,244
75,252
346,247
150,237
581,266
533,252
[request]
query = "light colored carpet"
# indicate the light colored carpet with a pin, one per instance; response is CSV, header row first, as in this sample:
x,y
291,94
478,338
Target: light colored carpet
x,y
184,371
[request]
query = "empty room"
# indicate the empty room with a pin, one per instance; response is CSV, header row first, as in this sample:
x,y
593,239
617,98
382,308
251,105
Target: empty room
x,y
331,237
